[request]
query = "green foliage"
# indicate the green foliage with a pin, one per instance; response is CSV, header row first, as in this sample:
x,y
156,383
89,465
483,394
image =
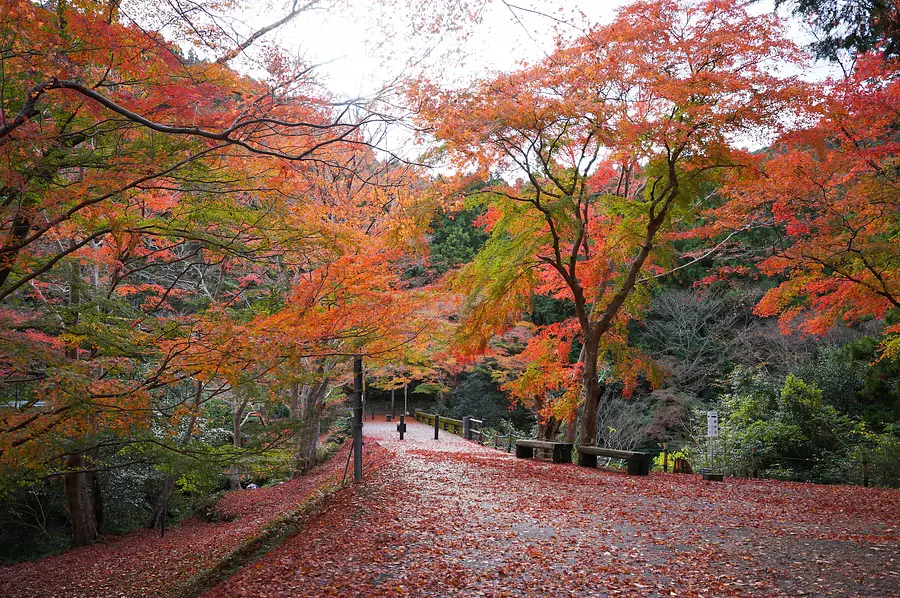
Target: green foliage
x,y
269,467
549,310
33,522
478,395
839,377
788,432
325,452
684,453
455,239
430,388
850,25
879,395
341,429
131,493
884,456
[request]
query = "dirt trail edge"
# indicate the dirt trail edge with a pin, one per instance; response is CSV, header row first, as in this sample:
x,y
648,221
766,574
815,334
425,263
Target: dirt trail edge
x,y
451,518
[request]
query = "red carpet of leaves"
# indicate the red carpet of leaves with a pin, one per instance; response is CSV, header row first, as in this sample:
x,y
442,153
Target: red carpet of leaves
x,y
143,564
449,518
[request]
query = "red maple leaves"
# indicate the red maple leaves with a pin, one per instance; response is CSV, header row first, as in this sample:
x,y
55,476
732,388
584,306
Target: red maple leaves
x,y
453,518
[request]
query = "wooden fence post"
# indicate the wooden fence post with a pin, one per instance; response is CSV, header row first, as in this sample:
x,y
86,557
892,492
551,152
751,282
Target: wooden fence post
x,y
665,457
865,467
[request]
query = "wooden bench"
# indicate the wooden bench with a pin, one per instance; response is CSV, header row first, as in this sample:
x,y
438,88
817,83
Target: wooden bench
x,y
562,451
638,463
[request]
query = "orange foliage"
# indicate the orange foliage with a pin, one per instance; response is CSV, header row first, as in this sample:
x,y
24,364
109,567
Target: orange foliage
x,y
603,146
829,191
167,218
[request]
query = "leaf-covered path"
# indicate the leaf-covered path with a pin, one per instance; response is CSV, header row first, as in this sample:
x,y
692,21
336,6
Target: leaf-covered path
x,y
448,517
142,564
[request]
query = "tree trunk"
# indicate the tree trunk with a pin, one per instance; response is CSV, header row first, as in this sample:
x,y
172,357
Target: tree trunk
x,y
299,398
84,501
312,443
570,430
548,430
159,509
168,488
307,438
592,394
82,491
234,475
298,466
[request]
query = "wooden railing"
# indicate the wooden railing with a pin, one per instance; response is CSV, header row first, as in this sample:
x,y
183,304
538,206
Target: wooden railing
x,y
471,429
454,426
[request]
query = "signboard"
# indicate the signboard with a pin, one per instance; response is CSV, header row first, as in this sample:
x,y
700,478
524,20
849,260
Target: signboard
x,y
712,424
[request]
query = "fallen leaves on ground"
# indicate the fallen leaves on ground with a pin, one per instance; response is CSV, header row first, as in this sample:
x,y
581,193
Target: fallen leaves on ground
x,y
143,564
449,517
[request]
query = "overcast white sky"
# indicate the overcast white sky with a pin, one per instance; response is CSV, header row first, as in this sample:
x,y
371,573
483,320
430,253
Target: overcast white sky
x,y
362,45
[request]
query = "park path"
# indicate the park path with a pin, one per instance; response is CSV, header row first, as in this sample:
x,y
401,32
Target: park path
x,y
141,564
451,518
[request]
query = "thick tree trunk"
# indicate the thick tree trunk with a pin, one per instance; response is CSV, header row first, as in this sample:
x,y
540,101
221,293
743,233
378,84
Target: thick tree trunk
x,y
309,443
298,466
309,405
592,394
307,412
570,430
84,501
82,491
548,429
593,332
234,475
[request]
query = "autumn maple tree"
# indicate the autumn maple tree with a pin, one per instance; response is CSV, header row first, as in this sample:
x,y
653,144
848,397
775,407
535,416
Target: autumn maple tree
x,y
829,195
173,231
606,145
196,235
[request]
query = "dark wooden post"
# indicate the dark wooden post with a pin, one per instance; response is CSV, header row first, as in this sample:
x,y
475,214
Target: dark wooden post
x,y
437,425
357,418
665,457
401,427
865,468
467,427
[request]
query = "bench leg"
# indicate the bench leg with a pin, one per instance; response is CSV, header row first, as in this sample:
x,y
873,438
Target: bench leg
x,y
562,454
645,465
587,460
557,454
524,452
639,466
